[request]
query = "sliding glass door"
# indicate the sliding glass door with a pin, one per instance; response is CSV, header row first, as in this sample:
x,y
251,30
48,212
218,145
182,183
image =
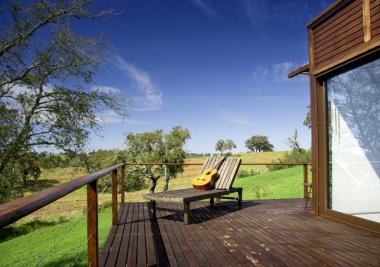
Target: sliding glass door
x,y
353,115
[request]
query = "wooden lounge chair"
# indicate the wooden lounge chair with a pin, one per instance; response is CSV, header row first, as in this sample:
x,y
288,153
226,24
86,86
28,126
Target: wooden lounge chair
x,y
223,186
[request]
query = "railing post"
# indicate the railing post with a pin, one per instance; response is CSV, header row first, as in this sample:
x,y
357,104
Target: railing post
x,y
114,197
122,184
92,223
305,180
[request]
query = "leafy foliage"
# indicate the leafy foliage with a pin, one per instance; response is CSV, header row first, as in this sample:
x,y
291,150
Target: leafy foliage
x,y
307,121
297,154
224,145
43,96
259,143
155,147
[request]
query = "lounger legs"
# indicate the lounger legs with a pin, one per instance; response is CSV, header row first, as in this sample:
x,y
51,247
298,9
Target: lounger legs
x,y
153,206
240,198
186,212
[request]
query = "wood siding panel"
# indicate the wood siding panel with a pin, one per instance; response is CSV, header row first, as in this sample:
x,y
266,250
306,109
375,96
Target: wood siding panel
x,y
339,35
375,18
338,21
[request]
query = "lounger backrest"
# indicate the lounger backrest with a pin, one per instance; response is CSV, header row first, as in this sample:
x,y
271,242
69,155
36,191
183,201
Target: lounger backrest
x,y
227,171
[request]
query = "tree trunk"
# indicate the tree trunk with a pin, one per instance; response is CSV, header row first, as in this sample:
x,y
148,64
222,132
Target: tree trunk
x,y
167,178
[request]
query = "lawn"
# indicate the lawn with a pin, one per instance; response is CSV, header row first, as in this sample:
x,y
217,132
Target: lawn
x,y
30,249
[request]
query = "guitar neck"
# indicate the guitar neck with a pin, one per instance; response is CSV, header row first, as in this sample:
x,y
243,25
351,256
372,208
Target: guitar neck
x,y
218,164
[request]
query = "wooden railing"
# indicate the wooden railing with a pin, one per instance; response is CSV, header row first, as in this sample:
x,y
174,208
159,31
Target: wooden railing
x,y
304,164
17,209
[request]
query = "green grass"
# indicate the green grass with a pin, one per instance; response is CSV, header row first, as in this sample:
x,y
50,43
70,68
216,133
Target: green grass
x,y
28,249
281,184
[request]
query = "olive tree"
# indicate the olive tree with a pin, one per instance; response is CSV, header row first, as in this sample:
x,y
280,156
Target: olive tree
x,y
224,145
156,147
259,143
45,72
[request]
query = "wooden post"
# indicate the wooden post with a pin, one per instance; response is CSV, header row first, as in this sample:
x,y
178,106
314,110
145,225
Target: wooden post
x,y
122,185
92,223
305,181
186,212
367,20
114,197
240,198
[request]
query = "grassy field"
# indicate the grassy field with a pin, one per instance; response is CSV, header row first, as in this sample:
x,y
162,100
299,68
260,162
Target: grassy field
x,y
65,219
30,249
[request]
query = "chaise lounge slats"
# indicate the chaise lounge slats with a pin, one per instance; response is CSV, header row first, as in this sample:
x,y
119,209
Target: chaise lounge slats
x,y
223,186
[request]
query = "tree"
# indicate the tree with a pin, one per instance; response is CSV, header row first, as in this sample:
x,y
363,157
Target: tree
x,y
296,155
307,121
45,70
156,147
294,144
224,145
259,143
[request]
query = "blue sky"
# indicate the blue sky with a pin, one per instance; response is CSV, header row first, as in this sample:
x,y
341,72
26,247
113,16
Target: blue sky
x,y
218,68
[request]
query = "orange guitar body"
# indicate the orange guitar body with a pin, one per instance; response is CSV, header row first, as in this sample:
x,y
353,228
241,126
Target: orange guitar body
x,y
206,180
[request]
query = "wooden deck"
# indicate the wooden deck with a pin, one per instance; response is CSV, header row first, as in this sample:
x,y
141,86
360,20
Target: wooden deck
x,y
263,233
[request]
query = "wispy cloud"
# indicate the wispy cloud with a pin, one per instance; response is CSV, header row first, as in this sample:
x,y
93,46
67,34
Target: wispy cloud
x,y
236,118
276,72
108,90
111,117
149,96
281,70
205,8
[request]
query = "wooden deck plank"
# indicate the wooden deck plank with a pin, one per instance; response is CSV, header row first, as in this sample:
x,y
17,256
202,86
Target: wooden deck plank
x,y
123,253
132,253
149,239
180,233
116,244
266,233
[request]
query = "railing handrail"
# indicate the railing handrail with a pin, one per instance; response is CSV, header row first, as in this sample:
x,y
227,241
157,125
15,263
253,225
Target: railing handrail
x,y
19,208
201,163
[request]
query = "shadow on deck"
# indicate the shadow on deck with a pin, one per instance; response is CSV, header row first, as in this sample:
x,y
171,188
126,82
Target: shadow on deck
x,y
265,233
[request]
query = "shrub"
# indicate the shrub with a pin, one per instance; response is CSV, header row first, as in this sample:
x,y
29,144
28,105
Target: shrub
x,y
261,189
246,173
299,156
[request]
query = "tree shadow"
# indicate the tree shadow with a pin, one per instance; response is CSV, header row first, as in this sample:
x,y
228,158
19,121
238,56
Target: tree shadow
x,y
9,232
38,185
206,212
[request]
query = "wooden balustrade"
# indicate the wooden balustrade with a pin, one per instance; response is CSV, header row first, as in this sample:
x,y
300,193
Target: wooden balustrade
x,y
17,209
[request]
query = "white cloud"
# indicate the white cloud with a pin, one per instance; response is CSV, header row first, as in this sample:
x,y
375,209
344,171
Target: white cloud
x,y
108,90
150,97
205,8
111,117
276,72
260,72
281,70
235,118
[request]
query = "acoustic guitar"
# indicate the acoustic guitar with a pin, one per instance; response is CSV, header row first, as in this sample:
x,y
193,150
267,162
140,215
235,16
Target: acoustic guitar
x,y
208,177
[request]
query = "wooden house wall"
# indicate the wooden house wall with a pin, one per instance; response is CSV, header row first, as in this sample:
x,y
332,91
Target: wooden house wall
x,y
339,34
375,18
350,28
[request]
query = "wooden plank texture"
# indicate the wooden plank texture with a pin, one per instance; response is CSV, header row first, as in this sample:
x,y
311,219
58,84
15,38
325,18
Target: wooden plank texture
x,y
342,33
263,233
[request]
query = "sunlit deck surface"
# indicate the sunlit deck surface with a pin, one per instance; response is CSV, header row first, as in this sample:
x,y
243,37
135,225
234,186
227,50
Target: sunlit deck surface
x,y
263,233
